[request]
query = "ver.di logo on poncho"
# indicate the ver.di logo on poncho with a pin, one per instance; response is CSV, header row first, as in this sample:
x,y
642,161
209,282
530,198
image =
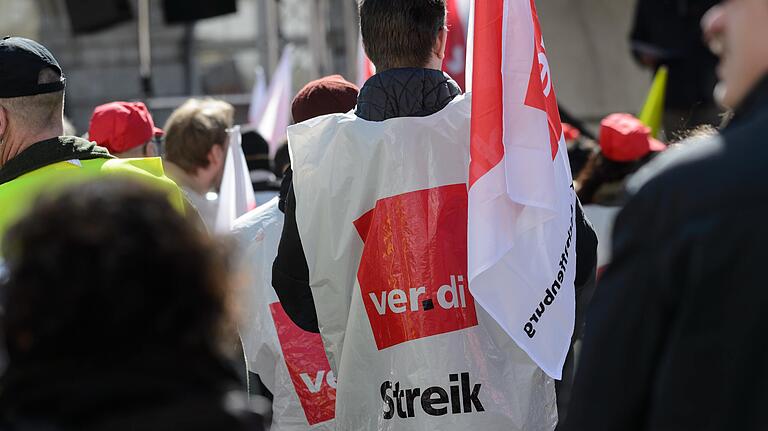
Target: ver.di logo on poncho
x,y
414,264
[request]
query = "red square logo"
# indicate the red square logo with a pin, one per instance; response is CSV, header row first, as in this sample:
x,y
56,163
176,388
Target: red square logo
x,y
414,264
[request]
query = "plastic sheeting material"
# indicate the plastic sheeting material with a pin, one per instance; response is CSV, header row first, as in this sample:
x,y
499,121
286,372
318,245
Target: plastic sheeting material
x,y
290,361
382,213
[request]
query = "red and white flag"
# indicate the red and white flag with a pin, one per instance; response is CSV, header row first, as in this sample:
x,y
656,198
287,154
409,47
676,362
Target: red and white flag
x,y
521,235
456,45
236,196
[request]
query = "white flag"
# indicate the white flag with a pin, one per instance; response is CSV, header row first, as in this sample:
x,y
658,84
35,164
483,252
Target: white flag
x,y
276,115
236,196
258,97
521,235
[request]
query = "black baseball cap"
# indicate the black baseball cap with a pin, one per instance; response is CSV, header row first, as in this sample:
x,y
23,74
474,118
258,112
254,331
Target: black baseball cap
x,y
21,61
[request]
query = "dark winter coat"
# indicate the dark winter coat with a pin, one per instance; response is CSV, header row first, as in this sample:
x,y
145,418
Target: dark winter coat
x,y
676,336
148,390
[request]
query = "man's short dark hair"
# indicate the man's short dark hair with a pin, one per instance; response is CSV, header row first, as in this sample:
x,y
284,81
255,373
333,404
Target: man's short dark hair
x,y
400,33
108,267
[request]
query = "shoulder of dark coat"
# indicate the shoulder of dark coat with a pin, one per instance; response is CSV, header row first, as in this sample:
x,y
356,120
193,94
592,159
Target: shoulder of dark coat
x,y
706,176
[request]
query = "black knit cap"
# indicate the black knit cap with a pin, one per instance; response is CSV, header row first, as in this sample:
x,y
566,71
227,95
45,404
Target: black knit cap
x,y
21,61
256,151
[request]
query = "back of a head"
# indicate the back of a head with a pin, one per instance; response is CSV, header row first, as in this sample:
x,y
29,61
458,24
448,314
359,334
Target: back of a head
x,y
111,269
37,113
282,160
400,33
122,127
193,129
31,88
328,95
256,151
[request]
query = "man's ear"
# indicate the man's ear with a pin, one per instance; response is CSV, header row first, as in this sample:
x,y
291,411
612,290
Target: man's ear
x,y
440,43
216,155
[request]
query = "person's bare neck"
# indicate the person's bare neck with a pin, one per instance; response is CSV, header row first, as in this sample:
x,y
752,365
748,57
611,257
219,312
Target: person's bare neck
x,y
434,63
133,153
197,182
14,144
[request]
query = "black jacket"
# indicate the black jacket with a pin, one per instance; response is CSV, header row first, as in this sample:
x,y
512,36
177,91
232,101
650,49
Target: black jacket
x,y
406,92
676,337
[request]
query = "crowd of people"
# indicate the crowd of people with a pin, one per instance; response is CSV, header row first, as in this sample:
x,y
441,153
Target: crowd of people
x,y
123,308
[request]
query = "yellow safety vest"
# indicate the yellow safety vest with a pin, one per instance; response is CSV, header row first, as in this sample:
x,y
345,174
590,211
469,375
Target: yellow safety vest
x,y
18,195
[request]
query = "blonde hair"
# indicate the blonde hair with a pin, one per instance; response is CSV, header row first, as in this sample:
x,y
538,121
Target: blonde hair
x,y
193,129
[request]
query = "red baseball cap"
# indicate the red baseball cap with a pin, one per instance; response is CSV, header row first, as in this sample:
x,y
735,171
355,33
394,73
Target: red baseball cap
x,y
121,126
623,138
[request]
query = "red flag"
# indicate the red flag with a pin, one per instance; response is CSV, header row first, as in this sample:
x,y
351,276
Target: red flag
x,y
456,45
487,148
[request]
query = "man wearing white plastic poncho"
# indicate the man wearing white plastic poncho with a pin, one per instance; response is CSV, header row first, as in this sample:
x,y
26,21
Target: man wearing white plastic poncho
x,y
379,203
291,362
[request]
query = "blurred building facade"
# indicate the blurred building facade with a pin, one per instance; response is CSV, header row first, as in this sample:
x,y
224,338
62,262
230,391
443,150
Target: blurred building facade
x,y
586,41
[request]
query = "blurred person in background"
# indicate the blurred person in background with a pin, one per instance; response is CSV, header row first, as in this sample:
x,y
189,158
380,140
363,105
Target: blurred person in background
x,y
118,314
580,148
625,150
258,233
675,337
282,160
263,179
667,33
625,144
195,151
35,155
328,95
126,129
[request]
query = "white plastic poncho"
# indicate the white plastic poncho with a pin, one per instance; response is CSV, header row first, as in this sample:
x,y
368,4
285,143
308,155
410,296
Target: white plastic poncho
x,y
382,214
290,361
